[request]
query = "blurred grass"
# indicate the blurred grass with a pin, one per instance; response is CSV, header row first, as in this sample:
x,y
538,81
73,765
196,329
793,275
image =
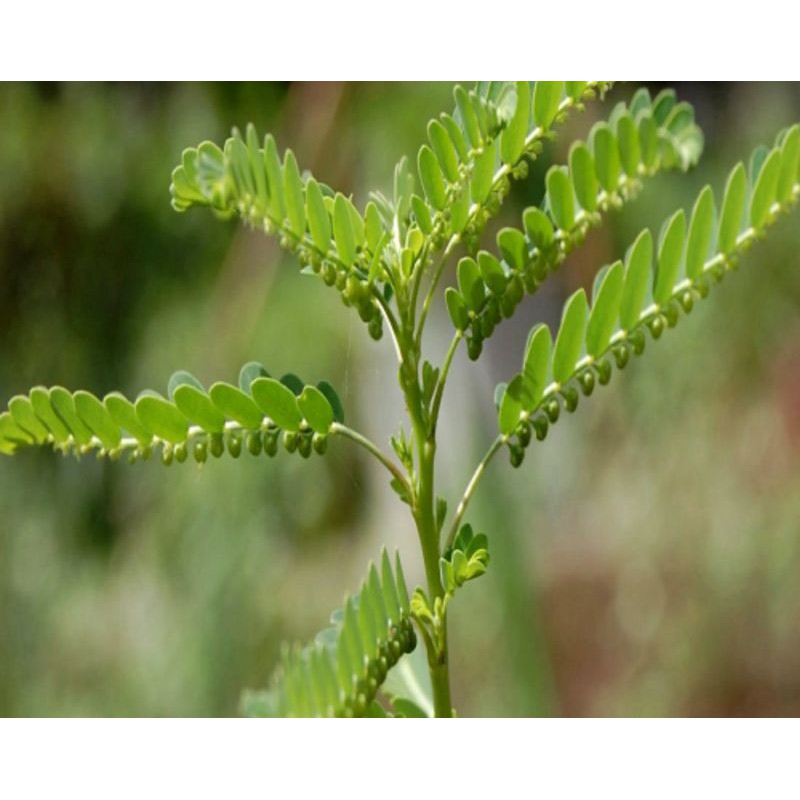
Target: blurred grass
x,y
644,558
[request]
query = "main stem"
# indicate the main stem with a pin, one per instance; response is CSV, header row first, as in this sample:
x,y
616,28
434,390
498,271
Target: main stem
x,y
424,509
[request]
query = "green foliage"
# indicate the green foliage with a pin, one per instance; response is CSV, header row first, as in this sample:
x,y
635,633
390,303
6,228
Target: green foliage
x,y
650,298
193,421
378,259
340,673
576,197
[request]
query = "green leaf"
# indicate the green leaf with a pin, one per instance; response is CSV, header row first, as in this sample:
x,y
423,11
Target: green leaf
x,y
492,272
272,165
25,417
468,117
197,407
319,222
569,341
257,168
670,254
316,409
663,104
343,230
538,228
97,418
700,232
508,417
40,400
606,157
638,265
561,198
333,398
457,309
64,406
648,140
162,417
575,89
444,149
123,413
483,173
11,434
584,178
432,178
180,378
236,405
248,373
605,310
278,402
470,284
790,162
294,194
546,100
408,708
514,248
730,223
512,141
765,190
629,150
536,366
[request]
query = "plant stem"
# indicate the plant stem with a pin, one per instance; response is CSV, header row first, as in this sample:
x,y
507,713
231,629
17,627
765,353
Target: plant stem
x,y
471,487
372,448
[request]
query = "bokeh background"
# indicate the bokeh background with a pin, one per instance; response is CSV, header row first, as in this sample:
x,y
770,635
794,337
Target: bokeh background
x,y
646,558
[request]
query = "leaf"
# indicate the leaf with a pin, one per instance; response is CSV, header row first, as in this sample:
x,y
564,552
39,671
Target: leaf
x,y
248,373
343,230
569,341
197,407
648,140
546,100
492,272
123,413
278,402
294,194
765,190
40,401
605,310
272,165
97,418
670,255
508,417
790,162
469,120
180,378
536,366
575,89
514,248
584,178
606,157
25,417
316,409
333,398
162,417
444,149
512,140
628,139
561,198
700,232
64,406
483,174
730,223
638,264
236,405
538,228
319,222
408,709
470,284
457,308
432,178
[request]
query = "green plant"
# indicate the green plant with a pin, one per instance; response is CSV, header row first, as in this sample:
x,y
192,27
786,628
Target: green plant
x,y
387,262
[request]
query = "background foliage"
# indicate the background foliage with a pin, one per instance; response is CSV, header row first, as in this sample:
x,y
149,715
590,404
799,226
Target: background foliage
x,y
643,558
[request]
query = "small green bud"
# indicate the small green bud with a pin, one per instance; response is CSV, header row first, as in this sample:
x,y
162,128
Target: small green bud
x,y
586,382
671,314
329,273
553,410
235,444
290,441
304,445
167,455
637,340
687,301
570,395
375,327
621,355
341,280
516,454
271,441
474,348
254,442
656,326
524,433
200,452
320,443
603,372
216,445
180,452
540,426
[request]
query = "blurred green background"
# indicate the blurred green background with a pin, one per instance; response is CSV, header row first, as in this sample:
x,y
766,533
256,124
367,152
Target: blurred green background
x,y
645,558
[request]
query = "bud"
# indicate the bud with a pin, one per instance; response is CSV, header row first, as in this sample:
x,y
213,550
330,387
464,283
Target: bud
x,y
524,433
603,372
516,454
375,327
570,395
200,452
180,452
656,326
304,445
254,442
553,410
621,355
166,454
687,301
216,445
290,441
320,443
637,341
474,348
586,382
235,444
540,426
271,441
